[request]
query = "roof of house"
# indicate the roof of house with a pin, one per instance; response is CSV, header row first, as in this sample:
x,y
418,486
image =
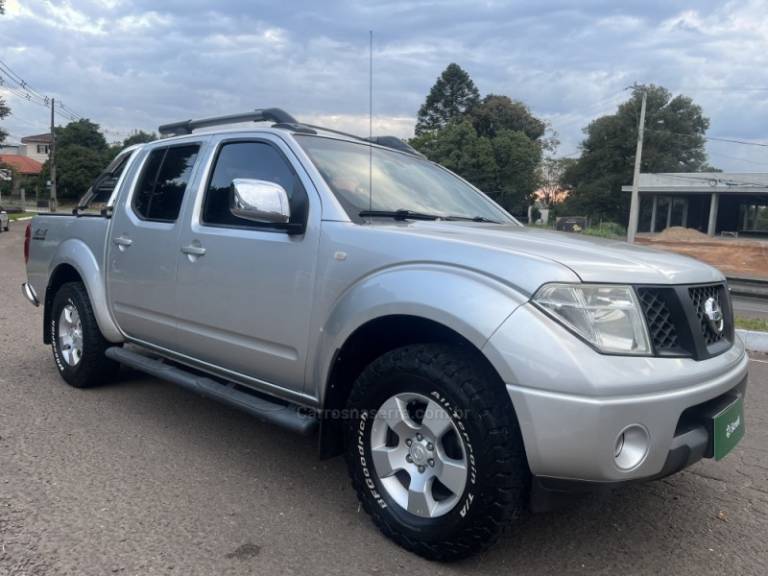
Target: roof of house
x,y
22,164
703,182
37,138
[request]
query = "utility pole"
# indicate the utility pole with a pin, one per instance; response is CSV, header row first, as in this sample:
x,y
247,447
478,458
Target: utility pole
x,y
52,160
634,206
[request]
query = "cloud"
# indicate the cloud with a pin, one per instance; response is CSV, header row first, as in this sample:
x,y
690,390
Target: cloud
x,y
131,64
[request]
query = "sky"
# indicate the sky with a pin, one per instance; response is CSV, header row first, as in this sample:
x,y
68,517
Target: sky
x,y
135,64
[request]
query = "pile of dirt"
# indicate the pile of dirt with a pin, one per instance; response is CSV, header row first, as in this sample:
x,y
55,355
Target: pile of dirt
x,y
680,234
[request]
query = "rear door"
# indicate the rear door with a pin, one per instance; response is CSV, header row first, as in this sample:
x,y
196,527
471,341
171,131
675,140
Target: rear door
x,y
142,256
245,289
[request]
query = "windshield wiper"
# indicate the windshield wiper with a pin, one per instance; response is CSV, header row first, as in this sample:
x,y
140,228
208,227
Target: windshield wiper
x,y
472,219
398,215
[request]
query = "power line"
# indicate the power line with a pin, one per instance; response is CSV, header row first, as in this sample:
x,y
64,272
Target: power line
x,y
747,160
737,141
23,90
709,138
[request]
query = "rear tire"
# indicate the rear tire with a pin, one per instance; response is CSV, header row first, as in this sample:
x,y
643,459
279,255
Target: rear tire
x,y
77,343
449,519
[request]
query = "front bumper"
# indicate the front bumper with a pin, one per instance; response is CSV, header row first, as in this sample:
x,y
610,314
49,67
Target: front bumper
x,y
572,403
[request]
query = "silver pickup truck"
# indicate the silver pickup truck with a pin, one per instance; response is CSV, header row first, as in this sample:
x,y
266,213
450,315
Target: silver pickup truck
x,y
468,367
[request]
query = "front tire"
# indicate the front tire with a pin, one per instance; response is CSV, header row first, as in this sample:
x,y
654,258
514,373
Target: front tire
x,y
77,343
435,452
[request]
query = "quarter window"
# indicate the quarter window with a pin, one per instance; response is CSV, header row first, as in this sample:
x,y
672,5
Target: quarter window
x,y
160,190
253,160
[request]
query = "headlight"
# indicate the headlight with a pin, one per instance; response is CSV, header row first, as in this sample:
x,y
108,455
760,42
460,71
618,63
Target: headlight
x,y
607,316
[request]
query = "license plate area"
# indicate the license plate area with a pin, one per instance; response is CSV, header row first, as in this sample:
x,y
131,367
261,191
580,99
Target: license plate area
x,y
715,416
728,428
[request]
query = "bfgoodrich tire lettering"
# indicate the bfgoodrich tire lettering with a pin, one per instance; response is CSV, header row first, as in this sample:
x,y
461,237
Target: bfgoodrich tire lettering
x,y
497,480
91,368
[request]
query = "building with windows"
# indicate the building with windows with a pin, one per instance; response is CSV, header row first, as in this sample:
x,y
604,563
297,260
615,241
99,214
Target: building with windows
x,y
711,202
37,147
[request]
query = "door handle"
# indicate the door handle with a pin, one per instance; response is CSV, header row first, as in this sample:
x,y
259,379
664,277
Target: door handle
x,y
122,242
193,250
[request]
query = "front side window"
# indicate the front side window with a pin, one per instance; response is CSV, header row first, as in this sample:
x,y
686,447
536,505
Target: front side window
x,y
400,181
251,160
160,190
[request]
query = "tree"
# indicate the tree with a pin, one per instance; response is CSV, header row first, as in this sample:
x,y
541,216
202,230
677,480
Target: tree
x,y
2,6
139,137
450,99
4,111
551,190
81,154
495,113
84,133
674,142
503,166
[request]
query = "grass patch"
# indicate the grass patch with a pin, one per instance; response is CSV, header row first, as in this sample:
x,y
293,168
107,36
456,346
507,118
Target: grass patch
x,y
758,324
607,230
18,215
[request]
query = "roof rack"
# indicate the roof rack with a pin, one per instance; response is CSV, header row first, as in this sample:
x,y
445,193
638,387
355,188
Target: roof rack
x,y
387,141
258,115
282,120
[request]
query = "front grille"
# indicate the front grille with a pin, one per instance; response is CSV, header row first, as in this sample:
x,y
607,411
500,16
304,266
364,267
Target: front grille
x,y
677,323
699,295
661,328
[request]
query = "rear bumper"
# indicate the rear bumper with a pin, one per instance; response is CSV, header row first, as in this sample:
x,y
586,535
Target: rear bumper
x,y
29,293
573,403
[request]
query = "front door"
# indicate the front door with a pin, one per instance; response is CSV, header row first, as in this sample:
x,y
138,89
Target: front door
x,y
143,251
244,291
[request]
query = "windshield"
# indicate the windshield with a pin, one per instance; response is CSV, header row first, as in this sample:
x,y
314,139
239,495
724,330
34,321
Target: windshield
x,y
401,182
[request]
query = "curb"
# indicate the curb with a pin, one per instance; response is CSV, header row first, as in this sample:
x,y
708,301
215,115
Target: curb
x,y
753,340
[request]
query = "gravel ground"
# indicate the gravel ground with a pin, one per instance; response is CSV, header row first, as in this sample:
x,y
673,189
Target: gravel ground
x,y
140,477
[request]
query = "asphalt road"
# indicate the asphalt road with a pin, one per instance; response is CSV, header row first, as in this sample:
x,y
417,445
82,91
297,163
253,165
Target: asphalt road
x,y
141,477
749,307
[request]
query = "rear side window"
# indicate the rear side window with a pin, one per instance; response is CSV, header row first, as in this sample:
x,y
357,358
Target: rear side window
x,y
101,190
254,160
160,190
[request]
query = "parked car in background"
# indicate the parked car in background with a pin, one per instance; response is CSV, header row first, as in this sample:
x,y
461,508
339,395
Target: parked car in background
x,y
465,365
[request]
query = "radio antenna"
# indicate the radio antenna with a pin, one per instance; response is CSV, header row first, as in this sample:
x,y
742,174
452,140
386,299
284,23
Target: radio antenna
x,y
370,120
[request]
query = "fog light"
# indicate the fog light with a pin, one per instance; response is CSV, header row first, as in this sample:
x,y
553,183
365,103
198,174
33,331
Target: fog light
x,y
619,445
631,447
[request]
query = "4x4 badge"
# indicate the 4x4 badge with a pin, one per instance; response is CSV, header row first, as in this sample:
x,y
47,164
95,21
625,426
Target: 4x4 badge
x,y
714,314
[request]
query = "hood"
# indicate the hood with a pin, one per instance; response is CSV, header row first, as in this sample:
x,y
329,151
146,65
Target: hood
x,y
592,259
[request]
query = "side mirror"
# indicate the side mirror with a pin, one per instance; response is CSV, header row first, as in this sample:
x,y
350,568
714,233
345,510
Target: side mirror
x,y
259,201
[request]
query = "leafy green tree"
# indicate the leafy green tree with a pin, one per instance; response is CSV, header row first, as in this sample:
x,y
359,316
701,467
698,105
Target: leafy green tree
x,y
4,111
674,141
496,113
517,157
81,154
76,168
139,137
450,99
84,133
503,166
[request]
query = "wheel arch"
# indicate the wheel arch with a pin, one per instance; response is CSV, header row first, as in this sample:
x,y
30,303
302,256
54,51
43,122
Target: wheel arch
x,y
75,262
365,344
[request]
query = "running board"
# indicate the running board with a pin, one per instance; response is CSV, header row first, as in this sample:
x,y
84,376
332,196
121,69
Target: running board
x,y
287,416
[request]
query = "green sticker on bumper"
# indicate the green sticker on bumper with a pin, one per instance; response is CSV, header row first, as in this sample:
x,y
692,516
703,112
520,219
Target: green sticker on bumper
x,y
728,428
